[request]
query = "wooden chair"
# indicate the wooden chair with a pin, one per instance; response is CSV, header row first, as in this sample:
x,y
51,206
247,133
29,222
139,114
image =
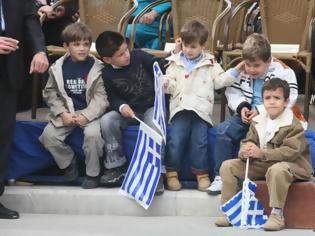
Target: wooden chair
x,y
284,22
101,15
208,12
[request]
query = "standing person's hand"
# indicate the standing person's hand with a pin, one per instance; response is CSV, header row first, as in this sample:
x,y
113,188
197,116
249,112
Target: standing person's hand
x,y
39,63
127,112
148,18
8,45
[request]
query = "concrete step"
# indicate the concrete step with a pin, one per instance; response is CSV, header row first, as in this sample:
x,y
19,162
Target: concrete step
x,y
97,225
106,201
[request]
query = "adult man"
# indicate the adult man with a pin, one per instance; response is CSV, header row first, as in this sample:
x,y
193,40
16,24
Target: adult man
x,y
19,25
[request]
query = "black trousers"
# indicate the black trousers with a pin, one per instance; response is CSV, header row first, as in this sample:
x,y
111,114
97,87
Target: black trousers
x,y
8,100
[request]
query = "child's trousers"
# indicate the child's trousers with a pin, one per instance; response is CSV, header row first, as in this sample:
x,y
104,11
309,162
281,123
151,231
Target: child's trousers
x,y
277,174
53,140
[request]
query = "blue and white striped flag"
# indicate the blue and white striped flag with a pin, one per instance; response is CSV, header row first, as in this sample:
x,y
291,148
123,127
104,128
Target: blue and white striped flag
x,y
159,113
145,168
254,212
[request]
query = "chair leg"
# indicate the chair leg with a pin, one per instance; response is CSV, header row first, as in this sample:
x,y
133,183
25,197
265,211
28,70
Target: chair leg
x,y
35,94
307,95
223,103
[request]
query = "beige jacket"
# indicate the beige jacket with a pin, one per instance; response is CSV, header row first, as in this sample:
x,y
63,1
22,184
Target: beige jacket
x,y
59,102
287,142
195,91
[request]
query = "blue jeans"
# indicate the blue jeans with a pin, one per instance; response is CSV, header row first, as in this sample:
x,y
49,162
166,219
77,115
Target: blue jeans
x,y
188,132
229,135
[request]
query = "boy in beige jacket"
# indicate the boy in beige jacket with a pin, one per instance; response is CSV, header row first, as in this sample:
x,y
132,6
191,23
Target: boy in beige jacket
x,y
76,97
277,149
191,78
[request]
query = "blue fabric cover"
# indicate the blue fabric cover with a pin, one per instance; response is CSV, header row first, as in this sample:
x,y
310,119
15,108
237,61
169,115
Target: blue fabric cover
x,y
28,156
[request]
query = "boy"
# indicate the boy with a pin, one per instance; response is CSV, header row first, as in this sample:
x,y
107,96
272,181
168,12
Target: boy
x,y
244,98
129,80
77,98
191,78
277,149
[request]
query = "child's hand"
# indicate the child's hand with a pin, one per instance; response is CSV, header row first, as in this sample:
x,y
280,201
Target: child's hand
x,y
127,112
67,118
81,120
251,114
240,66
178,45
249,150
245,114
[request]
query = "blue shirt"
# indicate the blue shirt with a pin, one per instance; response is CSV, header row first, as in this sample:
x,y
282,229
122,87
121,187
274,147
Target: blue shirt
x,y
257,87
188,63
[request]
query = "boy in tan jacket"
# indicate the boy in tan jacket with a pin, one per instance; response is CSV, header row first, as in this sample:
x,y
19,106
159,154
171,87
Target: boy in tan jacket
x,y
76,97
277,149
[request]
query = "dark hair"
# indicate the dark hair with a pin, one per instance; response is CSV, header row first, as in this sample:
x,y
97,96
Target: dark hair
x,y
76,32
256,46
194,31
274,83
108,42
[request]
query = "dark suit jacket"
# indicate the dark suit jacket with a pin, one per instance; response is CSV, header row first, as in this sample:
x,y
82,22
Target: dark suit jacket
x,y
21,23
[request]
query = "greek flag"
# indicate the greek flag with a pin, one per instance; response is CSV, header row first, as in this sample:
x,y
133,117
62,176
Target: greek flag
x,y
245,205
145,168
159,113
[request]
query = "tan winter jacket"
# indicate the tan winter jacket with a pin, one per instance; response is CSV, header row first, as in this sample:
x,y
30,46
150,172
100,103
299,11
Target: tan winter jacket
x,y
59,102
287,143
195,91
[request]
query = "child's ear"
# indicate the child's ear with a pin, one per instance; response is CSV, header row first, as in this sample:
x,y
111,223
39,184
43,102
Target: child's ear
x,y
65,45
286,102
107,60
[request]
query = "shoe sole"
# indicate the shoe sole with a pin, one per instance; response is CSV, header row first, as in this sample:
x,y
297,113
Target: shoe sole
x,y
213,193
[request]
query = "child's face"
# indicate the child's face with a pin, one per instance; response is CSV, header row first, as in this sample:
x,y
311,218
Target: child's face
x,y
78,50
192,50
256,68
120,58
274,102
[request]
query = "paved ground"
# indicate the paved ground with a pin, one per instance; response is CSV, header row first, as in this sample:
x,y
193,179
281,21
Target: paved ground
x,y
91,225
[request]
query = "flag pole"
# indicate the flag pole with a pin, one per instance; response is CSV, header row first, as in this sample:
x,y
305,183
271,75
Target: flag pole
x,y
144,124
245,197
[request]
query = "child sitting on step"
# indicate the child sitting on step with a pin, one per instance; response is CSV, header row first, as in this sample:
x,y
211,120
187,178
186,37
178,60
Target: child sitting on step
x,y
191,78
76,97
277,150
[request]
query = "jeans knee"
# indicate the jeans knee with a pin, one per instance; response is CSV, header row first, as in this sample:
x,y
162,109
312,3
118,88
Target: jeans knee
x,y
110,120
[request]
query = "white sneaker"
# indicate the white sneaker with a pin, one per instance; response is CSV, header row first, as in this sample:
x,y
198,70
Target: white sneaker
x,y
215,187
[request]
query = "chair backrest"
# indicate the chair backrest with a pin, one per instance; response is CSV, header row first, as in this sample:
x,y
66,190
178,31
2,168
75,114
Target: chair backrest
x,y
205,11
287,21
101,15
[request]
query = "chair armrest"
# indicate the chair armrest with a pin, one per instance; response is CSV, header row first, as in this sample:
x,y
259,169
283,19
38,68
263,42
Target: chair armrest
x,y
137,18
217,21
54,6
122,25
235,11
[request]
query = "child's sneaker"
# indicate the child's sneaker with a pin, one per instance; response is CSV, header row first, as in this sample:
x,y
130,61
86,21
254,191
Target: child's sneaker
x,y
203,182
172,181
222,221
90,182
275,222
71,172
215,187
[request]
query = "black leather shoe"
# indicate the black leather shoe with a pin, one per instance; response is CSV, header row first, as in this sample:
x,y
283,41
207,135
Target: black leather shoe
x,y
6,213
71,172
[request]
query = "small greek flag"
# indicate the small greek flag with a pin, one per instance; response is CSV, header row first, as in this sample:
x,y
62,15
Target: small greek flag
x,y
145,168
244,210
159,113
